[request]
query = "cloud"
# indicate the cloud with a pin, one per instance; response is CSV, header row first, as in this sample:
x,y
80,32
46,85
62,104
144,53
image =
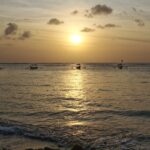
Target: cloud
x,y
134,9
88,15
139,22
109,25
101,9
75,12
10,33
55,21
87,30
25,35
100,26
133,39
137,10
98,10
11,29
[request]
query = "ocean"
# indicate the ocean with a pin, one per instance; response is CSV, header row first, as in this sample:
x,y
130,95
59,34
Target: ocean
x,y
57,105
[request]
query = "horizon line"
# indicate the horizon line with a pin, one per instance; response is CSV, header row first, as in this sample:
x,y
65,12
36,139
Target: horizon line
x,y
72,62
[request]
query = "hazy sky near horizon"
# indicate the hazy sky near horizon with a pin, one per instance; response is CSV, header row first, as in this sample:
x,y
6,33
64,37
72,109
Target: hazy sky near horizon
x,y
41,30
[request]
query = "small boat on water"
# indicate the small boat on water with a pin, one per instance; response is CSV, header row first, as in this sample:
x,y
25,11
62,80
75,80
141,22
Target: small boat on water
x,y
120,65
33,67
78,66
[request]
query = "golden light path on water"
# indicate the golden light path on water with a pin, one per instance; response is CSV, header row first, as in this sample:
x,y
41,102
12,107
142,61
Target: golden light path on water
x,y
76,94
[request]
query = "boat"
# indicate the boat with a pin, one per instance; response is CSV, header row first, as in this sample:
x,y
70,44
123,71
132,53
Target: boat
x,y
120,65
33,67
78,66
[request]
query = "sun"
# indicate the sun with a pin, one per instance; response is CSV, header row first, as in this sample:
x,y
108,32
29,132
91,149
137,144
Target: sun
x,y
76,39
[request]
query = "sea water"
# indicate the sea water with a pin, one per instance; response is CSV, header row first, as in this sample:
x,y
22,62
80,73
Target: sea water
x,y
98,106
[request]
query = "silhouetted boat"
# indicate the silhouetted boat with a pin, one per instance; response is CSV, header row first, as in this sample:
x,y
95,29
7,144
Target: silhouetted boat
x,y
78,66
120,65
33,67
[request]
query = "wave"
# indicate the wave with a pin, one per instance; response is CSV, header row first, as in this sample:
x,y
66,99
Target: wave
x,y
83,115
25,130
57,114
129,113
122,137
25,85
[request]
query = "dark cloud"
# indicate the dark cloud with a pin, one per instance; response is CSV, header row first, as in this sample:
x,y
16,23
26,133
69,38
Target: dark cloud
x,y
10,33
87,30
134,9
25,35
55,21
11,29
101,9
109,25
98,10
139,22
75,12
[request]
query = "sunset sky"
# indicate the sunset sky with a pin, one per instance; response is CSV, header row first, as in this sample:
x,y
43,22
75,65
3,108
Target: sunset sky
x,y
74,30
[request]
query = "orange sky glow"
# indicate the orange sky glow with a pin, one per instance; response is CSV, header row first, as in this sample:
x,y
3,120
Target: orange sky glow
x,y
74,31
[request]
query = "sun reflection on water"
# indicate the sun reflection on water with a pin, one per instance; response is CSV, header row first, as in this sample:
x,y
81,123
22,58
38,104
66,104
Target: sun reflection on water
x,y
75,95
76,85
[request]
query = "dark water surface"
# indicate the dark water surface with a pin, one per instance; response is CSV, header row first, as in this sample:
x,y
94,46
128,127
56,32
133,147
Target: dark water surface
x,y
99,106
